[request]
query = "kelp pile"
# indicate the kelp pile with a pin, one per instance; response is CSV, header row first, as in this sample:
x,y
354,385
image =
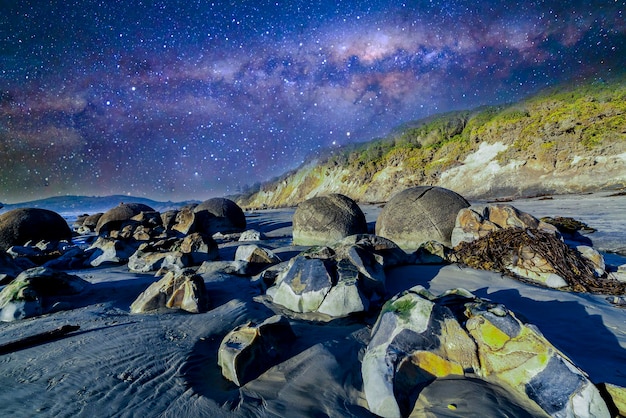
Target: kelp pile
x,y
506,248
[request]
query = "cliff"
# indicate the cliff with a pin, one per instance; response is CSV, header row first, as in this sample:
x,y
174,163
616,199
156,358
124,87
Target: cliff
x,y
568,139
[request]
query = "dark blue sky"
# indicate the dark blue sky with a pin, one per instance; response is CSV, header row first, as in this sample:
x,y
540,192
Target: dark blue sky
x,y
192,99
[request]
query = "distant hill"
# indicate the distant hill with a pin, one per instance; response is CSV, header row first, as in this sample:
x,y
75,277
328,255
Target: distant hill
x,y
567,139
91,204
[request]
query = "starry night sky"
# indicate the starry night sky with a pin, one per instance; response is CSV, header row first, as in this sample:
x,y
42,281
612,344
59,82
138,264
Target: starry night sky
x,y
192,99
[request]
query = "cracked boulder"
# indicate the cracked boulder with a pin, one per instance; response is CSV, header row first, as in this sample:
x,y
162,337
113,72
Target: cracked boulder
x,y
338,281
107,250
185,291
420,341
251,349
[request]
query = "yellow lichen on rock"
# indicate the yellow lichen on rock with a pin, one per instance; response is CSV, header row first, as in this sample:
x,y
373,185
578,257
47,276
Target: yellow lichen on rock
x,y
436,365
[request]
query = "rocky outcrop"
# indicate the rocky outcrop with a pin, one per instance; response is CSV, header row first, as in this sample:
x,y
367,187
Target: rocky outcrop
x,y
420,214
19,226
419,338
173,253
324,220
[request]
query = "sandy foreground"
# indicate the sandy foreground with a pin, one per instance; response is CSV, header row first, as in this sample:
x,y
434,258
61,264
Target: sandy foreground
x,y
165,365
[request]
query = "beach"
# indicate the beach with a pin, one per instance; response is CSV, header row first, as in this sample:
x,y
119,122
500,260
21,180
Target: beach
x,y
120,364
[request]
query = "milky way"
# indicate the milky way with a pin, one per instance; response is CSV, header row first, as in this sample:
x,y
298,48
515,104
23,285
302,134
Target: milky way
x,y
192,99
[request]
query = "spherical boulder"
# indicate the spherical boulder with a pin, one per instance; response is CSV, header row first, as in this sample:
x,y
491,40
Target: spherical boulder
x,y
420,214
113,218
219,215
324,220
18,226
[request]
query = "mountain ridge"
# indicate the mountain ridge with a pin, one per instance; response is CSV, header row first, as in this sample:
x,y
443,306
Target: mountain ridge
x,y
91,204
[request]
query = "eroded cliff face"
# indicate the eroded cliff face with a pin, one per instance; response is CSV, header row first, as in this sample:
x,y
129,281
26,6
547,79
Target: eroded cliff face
x,y
563,141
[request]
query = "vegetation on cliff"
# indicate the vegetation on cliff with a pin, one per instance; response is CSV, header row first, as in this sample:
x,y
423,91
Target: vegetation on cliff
x,y
548,132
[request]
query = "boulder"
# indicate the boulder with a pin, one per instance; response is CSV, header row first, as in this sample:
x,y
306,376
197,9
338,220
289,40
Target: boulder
x,y
419,339
388,252
420,214
335,282
39,253
471,225
185,291
72,259
114,218
110,251
249,350
303,286
90,222
594,257
251,260
26,295
219,215
145,261
19,226
256,255
185,221
200,248
324,220
168,219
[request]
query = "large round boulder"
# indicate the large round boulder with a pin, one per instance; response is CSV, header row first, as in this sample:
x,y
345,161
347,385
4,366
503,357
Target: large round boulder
x,y
420,214
219,215
114,218
18,226
324,220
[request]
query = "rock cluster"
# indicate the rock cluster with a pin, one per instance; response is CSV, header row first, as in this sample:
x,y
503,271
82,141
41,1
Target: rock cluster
x,y
419,341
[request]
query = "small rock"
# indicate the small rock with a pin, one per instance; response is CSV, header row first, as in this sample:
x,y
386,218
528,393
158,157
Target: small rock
x,y
252,235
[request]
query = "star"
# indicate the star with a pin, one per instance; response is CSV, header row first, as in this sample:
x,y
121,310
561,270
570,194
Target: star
x,y
177,100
